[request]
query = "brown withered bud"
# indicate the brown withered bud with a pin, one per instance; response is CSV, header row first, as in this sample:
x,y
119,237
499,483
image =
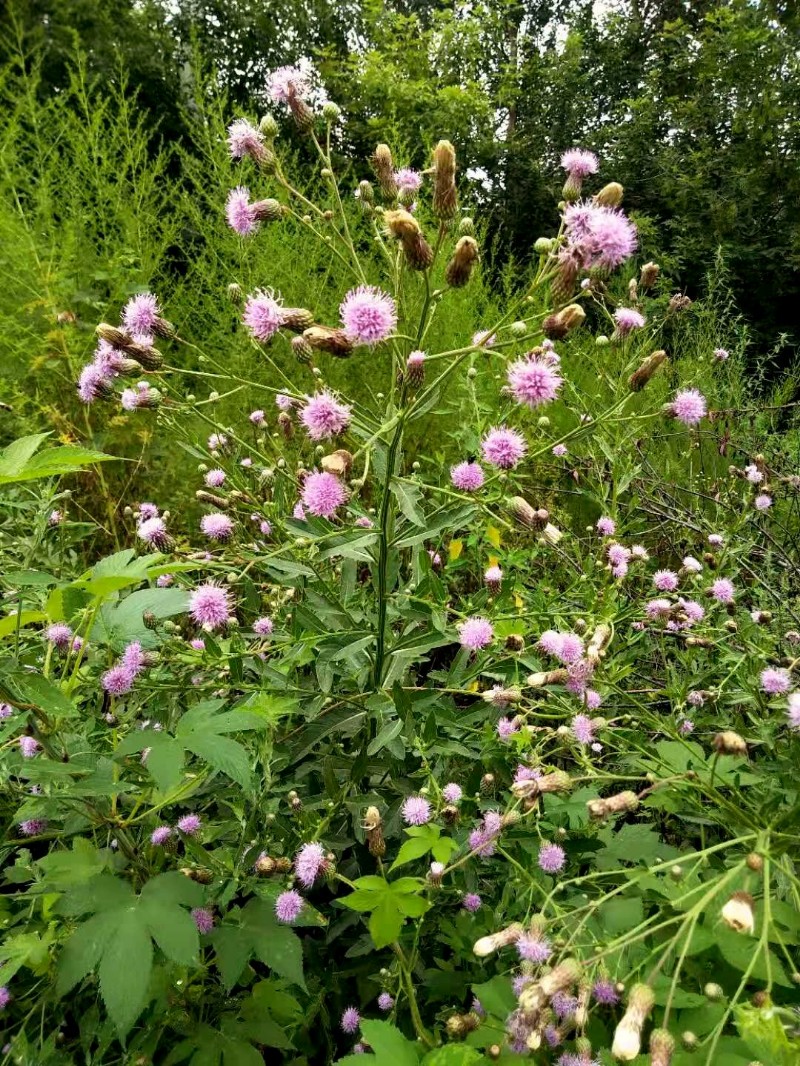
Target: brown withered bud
x,y
762,618
646,369
558,781
297,319
294,801
514,642
66,318
465,255
198,874
265,866
450,814
622,803
383,166
302,350
266,210
458,1025
148,357
610,195
209,497
301,112
570,261
649,275
526,515
338,462
445,198
754,862
501,939
679,303
548,677
559,324
633,291
599,642
730,743
403,227
286,425
329,339
373,827
662,1047
283,865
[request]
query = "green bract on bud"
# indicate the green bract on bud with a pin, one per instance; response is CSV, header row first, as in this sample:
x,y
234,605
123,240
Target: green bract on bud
x,y
297,319
268,127
466,227
601,340
365,192
302,350
543,245
445,198
610,195
465,255
518,328
235,292
383,166
267,210
331,112
645,370
301,113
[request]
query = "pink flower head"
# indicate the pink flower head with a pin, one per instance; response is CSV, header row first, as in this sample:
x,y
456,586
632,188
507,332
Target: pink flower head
x,y
141,314
569,648
323,416
28,747
59,634
483,839
160,836
284,402
793,711
240,213
475,633
385,1002
484,338
665,580
493,577
244,139
762,502
692,565
363,522
309,863
721,354
203,919
722,590
407,180
368,315
579,163
217,526
467,476
658,608
209,606
264,527
323,494
606,526
618,554
287,83
627,320
147,510
559,450
416,810
134,657
602,236
503,447
471,902
31,827
263,315
215,478
753,474
258,418
533,948
452,793
775,682
592,699
350,1021
689,406
93,383
552,858
533,381
605,992
299,512
118,680
582,729
263,626
716,540
506,727
153,531
288,906
189,824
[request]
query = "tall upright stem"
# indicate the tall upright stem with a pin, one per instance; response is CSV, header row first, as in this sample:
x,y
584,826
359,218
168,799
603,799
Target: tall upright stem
x,y
383,550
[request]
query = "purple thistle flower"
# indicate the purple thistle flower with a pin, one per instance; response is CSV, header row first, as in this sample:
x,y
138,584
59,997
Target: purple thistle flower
x,y
722,590
686,726
263,626
471,902
689,406
452,793
407,180
189,824
5,999
215,478
533,381
240,213
28,746
416,810
141,314
582,729
368,315
552,858
59,634
627,320
475,633
534,948
118,680
32,827
606,526
605,992
658,608
350,1020
665,580
160,836
203,919
323,494
564,1004
6,710
467,476
363,522
217,526
209,606
288,906
147,510
244,139
506,727
287,83
559,450
263,315
153,531
579,163
793,711
134,657
592,699
385,1002
258,418
721,354
308,863
775,682
753,474
284,402
323,416
503,447
602,236
762,502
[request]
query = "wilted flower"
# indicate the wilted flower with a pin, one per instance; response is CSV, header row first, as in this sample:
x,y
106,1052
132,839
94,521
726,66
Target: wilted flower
x,y
738,913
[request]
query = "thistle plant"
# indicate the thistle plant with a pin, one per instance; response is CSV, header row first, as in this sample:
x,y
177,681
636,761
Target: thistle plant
x,y
475,757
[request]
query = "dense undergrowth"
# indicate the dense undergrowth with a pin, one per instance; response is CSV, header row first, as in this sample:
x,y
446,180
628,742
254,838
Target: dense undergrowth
x,y
438,700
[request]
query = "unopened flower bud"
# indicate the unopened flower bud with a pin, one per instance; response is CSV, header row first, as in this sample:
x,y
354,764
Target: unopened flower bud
x,y
383,166
435,873
730,743
458,1025
628,1035
515,643
465,255
487,784
610,195
297,319
738,913
445,199
556,782
689,1040
662,1047
265,866
621,803
646,369
543,245
754,862
466,227
268,127
713,991
527,515
331,112
235,292
373,826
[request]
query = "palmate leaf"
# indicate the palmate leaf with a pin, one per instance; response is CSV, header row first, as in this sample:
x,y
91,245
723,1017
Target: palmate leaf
x,y
258,933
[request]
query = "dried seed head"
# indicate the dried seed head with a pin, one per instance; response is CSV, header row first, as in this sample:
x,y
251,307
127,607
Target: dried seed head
x,y
402,226
646,369
649,275
549,677
339,463
628,1035
730,743
328,339
556,782
679,303
738,913
286,425
514,642
623,802
265,866
383,166
610,195
527,515
465,255
662,1047
198,874
487,945
209,497
559,324
445,198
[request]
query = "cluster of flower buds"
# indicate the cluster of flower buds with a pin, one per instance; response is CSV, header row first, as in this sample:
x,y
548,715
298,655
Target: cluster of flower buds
x,y
533,1011
560,323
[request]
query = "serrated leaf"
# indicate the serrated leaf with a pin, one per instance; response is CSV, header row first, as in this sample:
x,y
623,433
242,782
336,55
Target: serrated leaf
x,y
408,494
385,922
233,948
223,754
275,945
125,971
82,951
164,761
173,930
37,691
389,1044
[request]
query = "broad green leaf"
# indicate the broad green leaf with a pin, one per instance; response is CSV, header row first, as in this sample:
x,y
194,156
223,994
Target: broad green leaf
x,y
164,761
125,970
619,914
452,1055
62,869
11,622
496,996
173,929
385,922
223,754
83,950
37,691
232,948
16,454
389,1044
275,945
